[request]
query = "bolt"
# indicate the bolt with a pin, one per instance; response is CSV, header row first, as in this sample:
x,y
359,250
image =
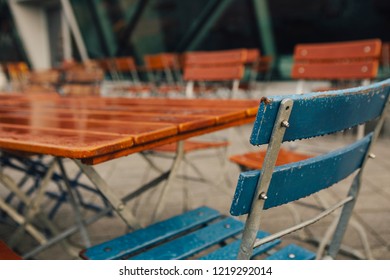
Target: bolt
x,y
285,124
263,196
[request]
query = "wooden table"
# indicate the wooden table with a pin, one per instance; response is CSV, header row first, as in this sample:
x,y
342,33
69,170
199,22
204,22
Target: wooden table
x,y
96,129
92,130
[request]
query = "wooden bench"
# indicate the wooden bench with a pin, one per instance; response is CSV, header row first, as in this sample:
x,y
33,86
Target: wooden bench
x,y
287,118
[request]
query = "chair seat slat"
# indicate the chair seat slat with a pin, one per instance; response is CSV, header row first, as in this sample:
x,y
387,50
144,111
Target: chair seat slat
x,y
129,243
292,252
229,252
194,242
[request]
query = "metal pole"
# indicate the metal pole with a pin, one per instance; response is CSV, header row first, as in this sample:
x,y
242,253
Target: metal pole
x,y
264,24
67,41
168,183
253,221
75,204
71,19
118,205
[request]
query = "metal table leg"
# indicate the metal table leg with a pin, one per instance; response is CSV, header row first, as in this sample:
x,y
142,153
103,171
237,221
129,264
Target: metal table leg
x,y
168,184
118,205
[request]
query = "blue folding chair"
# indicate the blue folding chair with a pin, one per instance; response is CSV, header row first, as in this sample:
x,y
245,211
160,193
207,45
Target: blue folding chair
x,y
284,118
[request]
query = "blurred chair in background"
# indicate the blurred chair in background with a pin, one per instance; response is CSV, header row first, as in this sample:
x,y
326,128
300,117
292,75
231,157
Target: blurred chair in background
x,y
206,73
164,73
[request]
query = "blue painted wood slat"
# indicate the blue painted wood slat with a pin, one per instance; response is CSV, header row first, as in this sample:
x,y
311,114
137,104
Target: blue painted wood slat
x,y
297,180
321,113
194,242
134,241
292,252
230,251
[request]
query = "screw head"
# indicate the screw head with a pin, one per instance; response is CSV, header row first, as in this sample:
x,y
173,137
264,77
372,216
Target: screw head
x,y
367,49
291,256
372,156
285,124
263,196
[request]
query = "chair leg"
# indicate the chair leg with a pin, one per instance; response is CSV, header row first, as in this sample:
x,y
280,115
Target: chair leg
x,y
34,205
19,219
32,230
75,205
331,229
324,242
168,184
118,205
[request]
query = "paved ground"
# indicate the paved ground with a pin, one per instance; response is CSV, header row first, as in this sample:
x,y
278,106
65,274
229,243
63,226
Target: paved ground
x,y
372,211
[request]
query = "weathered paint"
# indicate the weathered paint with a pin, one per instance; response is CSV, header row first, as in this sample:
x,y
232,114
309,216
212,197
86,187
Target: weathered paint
x,y
292,252
322,113
297,180
194,242
132,242
230,251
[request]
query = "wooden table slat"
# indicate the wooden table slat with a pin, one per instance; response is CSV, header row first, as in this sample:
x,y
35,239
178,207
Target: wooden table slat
x,y
97,129
72,144
184,122
140,131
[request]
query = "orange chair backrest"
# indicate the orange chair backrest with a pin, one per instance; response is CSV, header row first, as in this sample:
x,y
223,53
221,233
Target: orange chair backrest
x,y
44,77
214,73
215,58
92,75
253,56
125,64
17,69
341,60
162,61
214,65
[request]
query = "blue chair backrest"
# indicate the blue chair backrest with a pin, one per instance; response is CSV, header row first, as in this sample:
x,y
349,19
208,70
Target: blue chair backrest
x,y
321,113
295,117
312,115
293,181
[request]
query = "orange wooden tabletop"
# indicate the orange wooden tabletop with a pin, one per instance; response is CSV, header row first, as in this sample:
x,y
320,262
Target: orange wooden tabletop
x,y
97,129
